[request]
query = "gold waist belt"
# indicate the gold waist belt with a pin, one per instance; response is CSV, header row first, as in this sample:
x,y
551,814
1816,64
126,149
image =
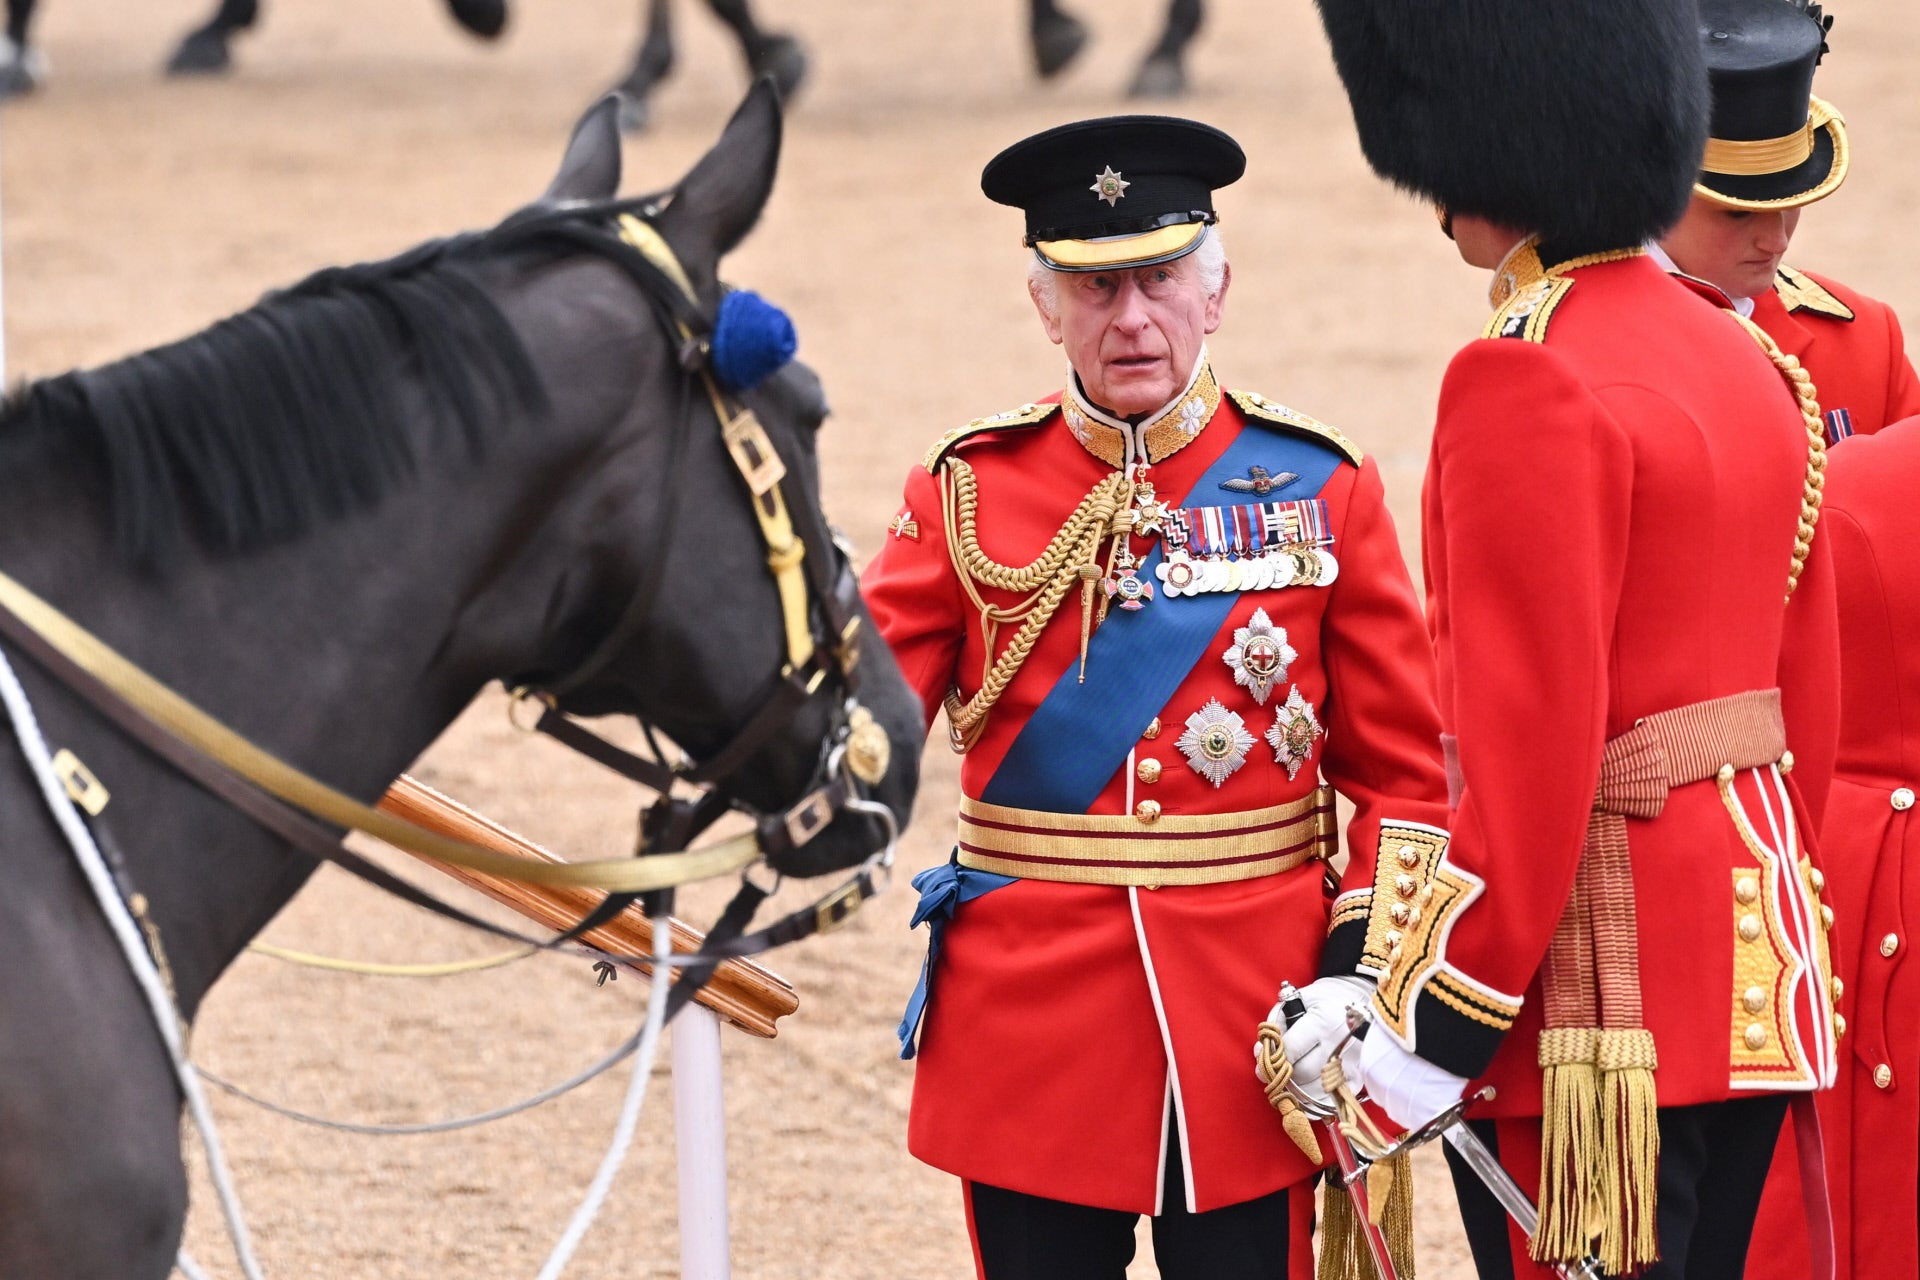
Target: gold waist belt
x,y
1120,849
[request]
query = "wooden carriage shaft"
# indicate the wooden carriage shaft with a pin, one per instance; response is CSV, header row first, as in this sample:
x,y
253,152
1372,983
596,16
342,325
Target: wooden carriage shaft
x,y
746,994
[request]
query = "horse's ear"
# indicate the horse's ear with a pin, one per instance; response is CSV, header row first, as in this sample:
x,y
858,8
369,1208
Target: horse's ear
x,y
720,199
591,168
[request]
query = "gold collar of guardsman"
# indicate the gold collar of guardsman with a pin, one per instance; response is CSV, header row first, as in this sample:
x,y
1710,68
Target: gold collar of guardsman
x,y
1177,424
1523,266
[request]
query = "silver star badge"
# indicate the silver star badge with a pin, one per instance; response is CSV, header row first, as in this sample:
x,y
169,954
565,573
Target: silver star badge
x,y
1109,186
1260,655
1216,742
1293,733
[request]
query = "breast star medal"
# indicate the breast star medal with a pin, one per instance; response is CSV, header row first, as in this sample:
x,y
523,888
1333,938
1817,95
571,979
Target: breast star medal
x,y
1259,656
1293,733
1215,742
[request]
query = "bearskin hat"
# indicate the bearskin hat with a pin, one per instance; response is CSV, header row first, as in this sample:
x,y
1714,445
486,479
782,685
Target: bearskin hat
x,y
1582,122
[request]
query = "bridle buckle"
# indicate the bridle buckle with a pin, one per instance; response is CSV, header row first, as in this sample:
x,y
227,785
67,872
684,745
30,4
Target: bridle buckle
x,y
809,818
837,907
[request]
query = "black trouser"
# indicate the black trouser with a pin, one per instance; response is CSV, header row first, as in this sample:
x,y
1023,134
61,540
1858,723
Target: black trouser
x,y
1713,1164
1025,1237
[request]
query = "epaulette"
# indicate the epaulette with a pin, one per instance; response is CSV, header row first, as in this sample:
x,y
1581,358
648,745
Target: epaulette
x,y
1026,415
1258,406
1526,313
1801,292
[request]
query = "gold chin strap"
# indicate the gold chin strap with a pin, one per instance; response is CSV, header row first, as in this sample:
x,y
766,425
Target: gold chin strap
x,y
754,455
278,778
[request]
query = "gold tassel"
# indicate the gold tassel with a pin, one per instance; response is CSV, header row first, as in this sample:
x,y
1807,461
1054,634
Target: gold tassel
x,y
1570,1199
1629,1150
1276,1073
1343,1243
1343,1250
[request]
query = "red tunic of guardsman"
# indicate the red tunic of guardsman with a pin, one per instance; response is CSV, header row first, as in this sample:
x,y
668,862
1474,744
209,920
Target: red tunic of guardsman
x,y
1625,938
1850,343
1159,637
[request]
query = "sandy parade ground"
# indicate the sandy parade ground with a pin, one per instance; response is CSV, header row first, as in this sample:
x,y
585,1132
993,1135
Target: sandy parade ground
x,y
138,209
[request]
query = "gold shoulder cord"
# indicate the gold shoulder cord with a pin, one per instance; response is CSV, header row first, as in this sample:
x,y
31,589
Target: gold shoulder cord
x,y
1802,383
1072,556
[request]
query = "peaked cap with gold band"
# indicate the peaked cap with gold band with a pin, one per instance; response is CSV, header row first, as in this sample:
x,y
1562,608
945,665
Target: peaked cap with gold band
x,y
1773,145
1120,191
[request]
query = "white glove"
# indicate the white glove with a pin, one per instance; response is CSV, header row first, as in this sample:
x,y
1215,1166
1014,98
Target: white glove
x,y
1309,1042
1406,1086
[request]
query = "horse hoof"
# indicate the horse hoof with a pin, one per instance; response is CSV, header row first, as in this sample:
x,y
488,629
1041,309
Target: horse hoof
x,y
1159,77
485,18
203,53
782,58
1057,40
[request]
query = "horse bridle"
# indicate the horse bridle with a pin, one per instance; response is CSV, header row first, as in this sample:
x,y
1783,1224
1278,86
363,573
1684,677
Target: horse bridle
x,y
813,574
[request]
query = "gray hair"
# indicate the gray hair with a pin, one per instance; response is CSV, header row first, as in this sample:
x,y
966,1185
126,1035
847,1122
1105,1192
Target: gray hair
x,y
1209,260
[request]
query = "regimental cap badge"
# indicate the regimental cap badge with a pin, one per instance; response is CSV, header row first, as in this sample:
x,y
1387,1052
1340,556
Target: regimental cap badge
x,y
1109,186
1215,742
1260,655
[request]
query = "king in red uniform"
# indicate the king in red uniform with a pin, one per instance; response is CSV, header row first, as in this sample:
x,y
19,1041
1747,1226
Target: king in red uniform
x,y
1633,624
1162,617
1774,150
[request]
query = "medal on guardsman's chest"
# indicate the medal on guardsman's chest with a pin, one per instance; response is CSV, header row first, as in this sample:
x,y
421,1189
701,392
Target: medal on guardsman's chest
x,y
1125,587
1215,742
1259,656
1293,732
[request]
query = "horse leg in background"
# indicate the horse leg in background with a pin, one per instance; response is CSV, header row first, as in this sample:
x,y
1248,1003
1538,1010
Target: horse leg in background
x,y
1057,38
768,53
651,65
21,67
204,49
1164,74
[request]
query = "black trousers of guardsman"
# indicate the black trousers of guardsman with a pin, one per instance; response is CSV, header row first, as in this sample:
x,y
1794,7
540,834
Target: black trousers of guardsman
x,y
1713,1163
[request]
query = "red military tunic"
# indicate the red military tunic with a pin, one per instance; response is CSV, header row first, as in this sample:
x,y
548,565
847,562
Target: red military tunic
x,y
1610,512
1872,1117
1851,345
1068,1020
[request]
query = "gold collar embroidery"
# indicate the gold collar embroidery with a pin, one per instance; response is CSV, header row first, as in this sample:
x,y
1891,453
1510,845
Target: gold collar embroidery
x,y
1176,425
1522,267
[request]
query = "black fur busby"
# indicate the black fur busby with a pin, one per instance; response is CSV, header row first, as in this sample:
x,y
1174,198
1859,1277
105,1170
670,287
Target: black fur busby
x,y
1583,122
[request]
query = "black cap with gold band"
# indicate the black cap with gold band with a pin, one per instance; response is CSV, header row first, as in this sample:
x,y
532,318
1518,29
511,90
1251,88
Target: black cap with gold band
x,y
1117,192
1774,144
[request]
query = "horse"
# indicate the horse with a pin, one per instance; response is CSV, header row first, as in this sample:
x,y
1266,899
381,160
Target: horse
x,y
1057,38
328,521
770,53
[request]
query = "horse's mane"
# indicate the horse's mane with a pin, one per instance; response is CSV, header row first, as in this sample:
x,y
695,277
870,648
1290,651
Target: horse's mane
x,y
289,413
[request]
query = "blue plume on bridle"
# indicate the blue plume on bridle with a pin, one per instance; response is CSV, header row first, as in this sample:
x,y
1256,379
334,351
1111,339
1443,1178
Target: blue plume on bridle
x,y
752,339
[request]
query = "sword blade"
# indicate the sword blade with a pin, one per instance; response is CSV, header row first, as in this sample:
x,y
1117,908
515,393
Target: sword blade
x,y
1486,1167
1354,1181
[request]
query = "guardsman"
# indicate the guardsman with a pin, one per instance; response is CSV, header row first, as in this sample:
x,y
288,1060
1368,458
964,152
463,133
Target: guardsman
x,y
1774,149
1163,617
1633,622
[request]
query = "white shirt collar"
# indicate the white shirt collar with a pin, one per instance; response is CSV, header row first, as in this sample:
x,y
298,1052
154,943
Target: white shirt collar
x,y
1744,306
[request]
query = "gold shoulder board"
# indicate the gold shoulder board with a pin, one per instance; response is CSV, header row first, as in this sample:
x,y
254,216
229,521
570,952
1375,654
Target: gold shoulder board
x,y
1026,415
1801,292
1258,406
1526,313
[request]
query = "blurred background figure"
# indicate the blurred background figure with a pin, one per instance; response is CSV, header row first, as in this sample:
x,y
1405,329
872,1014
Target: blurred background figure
x,y
1058,37
205,48
768,53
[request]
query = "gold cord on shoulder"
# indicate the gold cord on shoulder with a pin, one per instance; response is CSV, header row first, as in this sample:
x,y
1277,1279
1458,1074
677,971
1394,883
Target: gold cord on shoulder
x,y
1804,391
1073,556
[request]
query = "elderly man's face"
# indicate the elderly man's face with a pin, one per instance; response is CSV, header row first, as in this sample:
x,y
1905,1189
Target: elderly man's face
x,y
1133,335
1734,249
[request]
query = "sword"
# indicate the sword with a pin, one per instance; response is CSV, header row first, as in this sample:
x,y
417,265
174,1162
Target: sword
x,y
1451,1124
1353,1175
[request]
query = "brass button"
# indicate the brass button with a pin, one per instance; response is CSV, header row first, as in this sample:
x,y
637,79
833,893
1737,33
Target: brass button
x,y
1818,880
1148,811
1725,774
1405,886
1409,856
1746,889
1414,916
1755,999
1153,728
1399,913
1393,954
1903,798
1889,944
1839,988
1826,916
1756,1036
1426,894
1147,770
1786,762
1750,927
1489,1093
1839,1026
1883,1076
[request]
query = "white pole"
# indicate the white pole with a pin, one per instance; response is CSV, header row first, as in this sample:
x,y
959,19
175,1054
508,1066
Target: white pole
x,y
700,1142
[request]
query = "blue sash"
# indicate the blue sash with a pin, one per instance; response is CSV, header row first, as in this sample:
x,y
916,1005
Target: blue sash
x,y
1079,735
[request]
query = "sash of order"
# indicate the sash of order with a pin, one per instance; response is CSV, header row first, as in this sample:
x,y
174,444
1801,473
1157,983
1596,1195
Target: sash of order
x,y
1079,735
